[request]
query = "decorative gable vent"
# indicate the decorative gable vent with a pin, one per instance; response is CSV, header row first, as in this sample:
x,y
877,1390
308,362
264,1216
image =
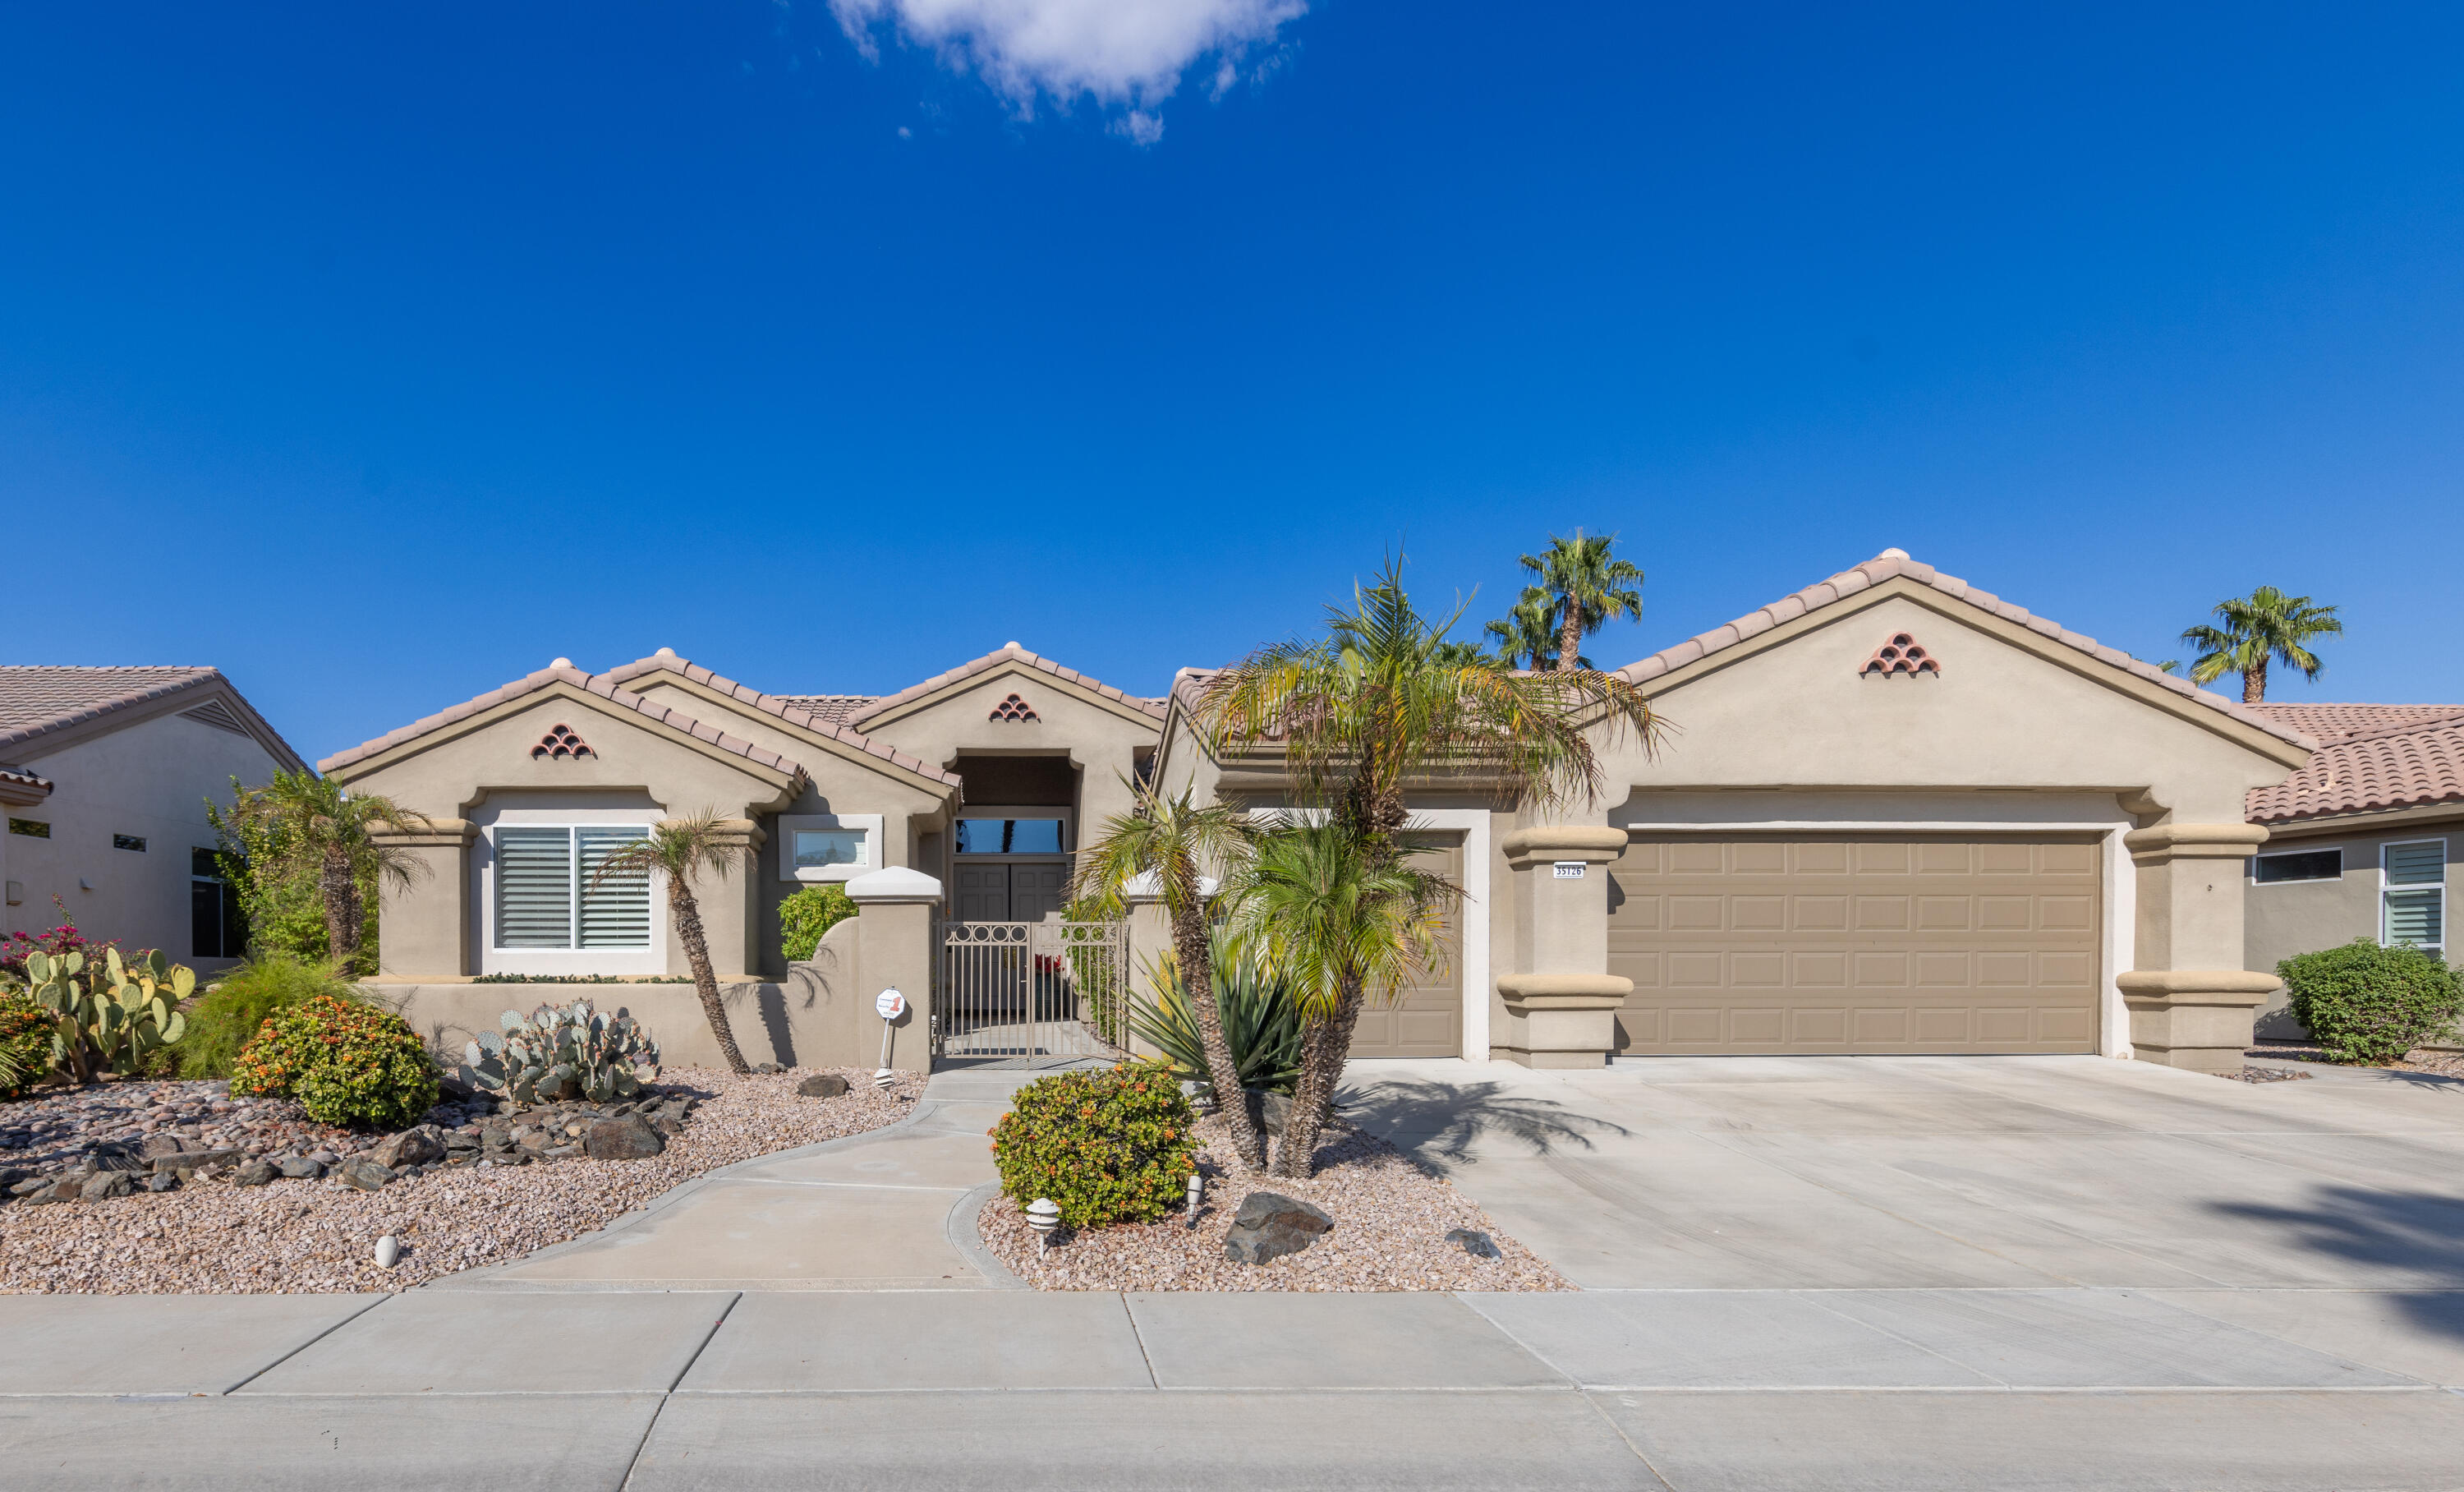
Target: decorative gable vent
x,y
217,713
1014,708
561,741
1901,655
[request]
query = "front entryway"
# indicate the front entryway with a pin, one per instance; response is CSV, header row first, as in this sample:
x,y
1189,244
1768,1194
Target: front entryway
x,y
1010,891
1011,989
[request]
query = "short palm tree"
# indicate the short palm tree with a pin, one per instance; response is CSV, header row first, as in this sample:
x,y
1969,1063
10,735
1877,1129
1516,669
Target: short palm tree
x,y
1587,587
2265,627
1339,921
1527,637
679,850
1376,706
320,829
1179,843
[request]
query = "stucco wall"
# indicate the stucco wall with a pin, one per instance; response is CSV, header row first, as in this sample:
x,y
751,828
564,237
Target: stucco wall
x,y
1100,738
149,778
2294,917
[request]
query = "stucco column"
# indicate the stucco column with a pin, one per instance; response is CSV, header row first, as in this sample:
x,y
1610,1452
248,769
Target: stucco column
x,y
1561,1001
2191,1003
424,929
728,920
895,909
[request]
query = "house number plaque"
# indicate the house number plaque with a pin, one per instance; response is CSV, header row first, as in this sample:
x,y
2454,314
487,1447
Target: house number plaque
x,y
1569,870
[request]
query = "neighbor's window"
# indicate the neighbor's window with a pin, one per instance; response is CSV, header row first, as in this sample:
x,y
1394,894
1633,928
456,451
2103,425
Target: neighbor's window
x,y
31,828
135,842
2306,865
2413,901
216,930
1010,836
545,898
819,849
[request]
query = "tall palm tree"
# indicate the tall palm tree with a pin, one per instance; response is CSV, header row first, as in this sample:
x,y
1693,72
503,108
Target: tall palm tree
x,y
1339,919
680,849
1587,585
2267,626
1527,637
1178,843
319,829
1376,705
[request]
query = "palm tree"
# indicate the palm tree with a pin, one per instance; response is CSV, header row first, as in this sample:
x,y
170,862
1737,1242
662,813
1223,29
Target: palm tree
x,y
1527,634
2266,627
1177,842
1586,587
1376,705
1338,919
680,849
318,829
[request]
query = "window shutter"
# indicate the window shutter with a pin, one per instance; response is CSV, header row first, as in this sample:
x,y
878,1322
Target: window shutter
x,y
2421,864
616,912
534,888
2415,917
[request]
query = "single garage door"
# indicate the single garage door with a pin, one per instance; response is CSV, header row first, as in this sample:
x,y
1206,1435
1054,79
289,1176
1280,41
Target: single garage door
x,y
1427,1022
1856,943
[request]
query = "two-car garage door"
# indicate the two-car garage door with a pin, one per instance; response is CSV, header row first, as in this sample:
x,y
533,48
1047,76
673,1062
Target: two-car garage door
x,y
1863,942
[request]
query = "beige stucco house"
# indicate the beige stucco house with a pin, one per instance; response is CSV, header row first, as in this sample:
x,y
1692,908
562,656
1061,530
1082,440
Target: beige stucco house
x,y
1892,814
105,774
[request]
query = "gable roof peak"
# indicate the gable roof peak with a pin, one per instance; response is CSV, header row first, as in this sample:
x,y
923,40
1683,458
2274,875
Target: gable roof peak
x,y
666,661
1006,653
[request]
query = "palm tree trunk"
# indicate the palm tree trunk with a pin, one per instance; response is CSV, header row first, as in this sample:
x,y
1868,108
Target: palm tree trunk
x,y
1569,636
2253,683
1198,980
340,891
688,918
1325,1046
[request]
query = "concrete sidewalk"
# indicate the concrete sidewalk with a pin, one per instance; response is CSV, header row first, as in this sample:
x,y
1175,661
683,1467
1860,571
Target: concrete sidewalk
x,y
1924,1389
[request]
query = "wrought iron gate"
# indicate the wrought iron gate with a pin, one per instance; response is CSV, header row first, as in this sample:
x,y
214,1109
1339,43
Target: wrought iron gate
x,y
1020,990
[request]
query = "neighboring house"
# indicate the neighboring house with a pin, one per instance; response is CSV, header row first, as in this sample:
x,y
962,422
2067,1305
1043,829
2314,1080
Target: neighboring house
x,y
104,773
1893,813
2364,842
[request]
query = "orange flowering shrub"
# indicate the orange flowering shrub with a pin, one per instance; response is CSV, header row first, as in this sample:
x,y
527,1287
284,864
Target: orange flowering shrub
x,y
1105,1147
347,1063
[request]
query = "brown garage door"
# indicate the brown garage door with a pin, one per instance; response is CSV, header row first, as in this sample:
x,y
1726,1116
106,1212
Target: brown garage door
x,y
1427,1022
1856,943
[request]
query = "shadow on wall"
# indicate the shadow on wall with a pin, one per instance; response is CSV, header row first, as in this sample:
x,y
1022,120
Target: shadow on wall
x,y
1446,1119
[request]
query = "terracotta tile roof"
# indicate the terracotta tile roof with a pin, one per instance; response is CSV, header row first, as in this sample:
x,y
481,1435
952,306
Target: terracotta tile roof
x,y
562,671
1893,565
835,708
1007,653
2399,766
18,776
780,708
34,700
2326,722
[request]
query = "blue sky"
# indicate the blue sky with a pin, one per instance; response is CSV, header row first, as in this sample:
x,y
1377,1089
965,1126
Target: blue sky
x,y
378,354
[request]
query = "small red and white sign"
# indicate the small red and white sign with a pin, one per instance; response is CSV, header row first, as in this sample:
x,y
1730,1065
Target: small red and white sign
x,y
891,1005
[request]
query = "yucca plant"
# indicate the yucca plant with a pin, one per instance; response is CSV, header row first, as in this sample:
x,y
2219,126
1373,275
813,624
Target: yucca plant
x,y
1261,1023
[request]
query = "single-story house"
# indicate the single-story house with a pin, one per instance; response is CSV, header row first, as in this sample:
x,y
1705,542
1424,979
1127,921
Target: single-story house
x,y
2362,841
1892,814
104,773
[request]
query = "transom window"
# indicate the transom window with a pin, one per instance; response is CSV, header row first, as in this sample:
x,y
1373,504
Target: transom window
x,y
545,895
2301,866
2413,901
1013,836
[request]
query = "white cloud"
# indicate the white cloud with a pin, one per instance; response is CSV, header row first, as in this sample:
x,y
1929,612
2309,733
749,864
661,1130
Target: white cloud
x,y
1127,55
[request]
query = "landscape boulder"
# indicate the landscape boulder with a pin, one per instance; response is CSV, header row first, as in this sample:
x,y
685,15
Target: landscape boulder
x,y
1474,1243
114,1156
1267,1110
1270,1225
364,1174
158,1145
821,1086
255,1174
627,1139
104,1183
187,1163
415,1146
301,1168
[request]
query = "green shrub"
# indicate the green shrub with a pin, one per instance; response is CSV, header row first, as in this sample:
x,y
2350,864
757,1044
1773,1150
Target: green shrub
x,y
230,1014
345,1061
809,913
1261,1023
25,1043
2363,1003
1105,1147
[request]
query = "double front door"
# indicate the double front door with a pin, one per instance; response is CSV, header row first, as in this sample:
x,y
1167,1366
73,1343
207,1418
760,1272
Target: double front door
x,y
1011,891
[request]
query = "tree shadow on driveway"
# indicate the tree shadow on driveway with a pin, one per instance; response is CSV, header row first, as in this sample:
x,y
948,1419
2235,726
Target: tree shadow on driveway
x,y
2415,1237
1446,1119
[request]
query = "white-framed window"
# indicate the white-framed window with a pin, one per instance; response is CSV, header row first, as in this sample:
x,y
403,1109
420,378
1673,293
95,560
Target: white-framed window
x,y
550,892
2269,870
825,847
2412,897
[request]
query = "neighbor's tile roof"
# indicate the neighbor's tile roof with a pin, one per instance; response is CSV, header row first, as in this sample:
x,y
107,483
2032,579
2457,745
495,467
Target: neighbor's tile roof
x,y
2404,764
836,708
783,709
1007,653
25,779
2327,723
562,671
37,700
1893,565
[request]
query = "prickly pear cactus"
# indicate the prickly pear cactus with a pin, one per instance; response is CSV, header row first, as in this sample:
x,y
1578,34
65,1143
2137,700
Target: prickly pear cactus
x,y
113,1016
555,1053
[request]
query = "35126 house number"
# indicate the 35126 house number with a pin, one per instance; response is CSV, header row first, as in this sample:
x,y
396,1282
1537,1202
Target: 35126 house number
x,y
1569,870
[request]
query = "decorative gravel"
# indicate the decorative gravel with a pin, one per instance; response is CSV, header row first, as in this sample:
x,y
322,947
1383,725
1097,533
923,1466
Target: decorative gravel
x,y
2443,1061
304,1236
2251,1072
1390,1221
